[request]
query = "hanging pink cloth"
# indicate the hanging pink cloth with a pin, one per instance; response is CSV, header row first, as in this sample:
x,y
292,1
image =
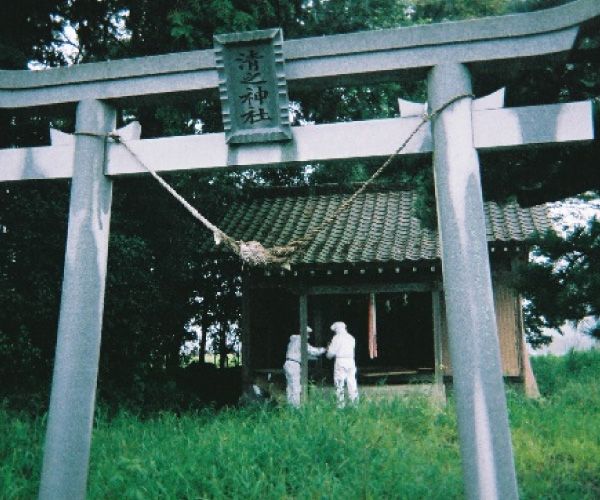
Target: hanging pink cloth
x,y
372,327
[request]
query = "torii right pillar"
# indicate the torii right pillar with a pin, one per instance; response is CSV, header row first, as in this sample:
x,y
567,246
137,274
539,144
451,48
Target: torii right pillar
x,y
484,432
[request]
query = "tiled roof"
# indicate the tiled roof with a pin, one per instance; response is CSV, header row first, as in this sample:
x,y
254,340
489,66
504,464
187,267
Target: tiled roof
x,y
378,227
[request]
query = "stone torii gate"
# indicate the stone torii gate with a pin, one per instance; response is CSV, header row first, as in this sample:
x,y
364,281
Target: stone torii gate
x,y
446,54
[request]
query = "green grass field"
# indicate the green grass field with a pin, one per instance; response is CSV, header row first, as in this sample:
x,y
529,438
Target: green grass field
x,y
404,448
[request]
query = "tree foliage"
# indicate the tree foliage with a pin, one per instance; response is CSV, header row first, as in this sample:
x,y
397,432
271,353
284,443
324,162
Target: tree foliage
x,y
33,236
26,30
563,282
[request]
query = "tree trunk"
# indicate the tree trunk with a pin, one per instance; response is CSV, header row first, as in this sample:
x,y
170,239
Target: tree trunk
x,y
204,324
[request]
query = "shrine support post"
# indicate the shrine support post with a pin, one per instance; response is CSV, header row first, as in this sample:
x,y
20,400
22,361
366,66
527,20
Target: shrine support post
x,y
484,432
72,399
303,323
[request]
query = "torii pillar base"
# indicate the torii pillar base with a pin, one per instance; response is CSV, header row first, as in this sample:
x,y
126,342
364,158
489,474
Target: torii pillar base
x,y
485,441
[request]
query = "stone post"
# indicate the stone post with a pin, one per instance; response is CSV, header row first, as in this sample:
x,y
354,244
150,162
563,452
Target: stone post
x,y
72,399
485,441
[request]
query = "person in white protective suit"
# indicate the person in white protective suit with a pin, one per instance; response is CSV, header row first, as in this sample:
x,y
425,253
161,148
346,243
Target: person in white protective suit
x,y
341,348
293,363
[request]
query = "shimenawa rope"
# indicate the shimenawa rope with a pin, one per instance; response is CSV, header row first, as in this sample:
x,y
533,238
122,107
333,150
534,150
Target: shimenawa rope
x,y
254,253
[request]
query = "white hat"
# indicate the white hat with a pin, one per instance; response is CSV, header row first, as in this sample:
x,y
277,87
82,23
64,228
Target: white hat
x,y
308,329
338,325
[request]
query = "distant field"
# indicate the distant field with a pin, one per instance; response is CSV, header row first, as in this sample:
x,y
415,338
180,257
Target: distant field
x,y
404,448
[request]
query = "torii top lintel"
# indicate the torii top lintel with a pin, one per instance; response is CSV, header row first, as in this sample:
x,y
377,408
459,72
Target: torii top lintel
x,y
374,56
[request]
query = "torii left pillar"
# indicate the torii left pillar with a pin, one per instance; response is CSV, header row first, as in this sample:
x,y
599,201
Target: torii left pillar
x,y
70,418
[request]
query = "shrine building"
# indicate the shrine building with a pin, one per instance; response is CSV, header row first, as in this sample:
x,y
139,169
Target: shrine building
x,y
378,269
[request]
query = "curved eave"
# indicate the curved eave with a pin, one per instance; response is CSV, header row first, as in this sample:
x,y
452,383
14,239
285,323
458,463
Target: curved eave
x,y
383,55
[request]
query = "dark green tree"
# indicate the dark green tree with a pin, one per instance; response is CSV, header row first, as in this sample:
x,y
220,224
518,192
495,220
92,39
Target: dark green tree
x,y
27,30
563,283
32,239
